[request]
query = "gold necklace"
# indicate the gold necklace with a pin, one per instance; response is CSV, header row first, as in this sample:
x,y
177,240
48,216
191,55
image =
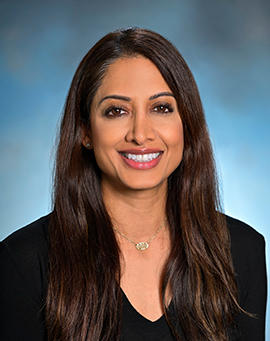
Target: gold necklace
x,y
140,245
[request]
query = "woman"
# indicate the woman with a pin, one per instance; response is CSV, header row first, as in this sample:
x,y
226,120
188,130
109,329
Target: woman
x,y
136,247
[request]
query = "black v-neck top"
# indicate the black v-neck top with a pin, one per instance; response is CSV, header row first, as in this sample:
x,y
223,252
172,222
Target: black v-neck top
x,y
136,327
23,283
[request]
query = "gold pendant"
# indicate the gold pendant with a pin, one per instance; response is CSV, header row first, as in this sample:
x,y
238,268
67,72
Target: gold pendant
x,y
142,246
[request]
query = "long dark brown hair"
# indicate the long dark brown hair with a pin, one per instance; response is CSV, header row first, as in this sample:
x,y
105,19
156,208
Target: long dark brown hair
x,y
84,296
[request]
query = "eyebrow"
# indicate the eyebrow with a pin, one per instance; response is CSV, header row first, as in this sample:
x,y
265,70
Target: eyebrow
x,y
160,94
124,98
128,99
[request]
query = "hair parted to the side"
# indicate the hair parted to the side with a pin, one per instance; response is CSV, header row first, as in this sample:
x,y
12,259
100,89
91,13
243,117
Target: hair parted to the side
x,y
84,297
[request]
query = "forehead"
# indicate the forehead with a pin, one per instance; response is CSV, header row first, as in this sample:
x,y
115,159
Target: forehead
x,y
132,76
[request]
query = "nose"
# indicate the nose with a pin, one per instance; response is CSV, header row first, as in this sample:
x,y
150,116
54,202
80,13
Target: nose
x,y
141,129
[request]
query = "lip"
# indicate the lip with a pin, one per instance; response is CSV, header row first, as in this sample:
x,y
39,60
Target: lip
x,y
141,151
141,165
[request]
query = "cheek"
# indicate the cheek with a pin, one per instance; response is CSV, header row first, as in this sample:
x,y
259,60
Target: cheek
x,y
106,134
175,140
101,135
175,136
104,141
179,146
178,135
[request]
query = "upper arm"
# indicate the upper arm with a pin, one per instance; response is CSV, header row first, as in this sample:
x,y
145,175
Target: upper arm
x,y
251,278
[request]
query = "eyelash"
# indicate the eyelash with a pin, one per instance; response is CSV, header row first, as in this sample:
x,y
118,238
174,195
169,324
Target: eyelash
x,y
108,113
166,108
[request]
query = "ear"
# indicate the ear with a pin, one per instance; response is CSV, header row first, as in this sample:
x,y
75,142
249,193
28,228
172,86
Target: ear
x,y
87,142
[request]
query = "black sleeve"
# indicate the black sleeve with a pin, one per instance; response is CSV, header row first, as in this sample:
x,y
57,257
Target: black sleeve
x,y
248,250
22,289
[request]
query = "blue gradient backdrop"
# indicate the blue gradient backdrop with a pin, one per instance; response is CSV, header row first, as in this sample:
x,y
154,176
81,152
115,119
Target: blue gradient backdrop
x,y
225,42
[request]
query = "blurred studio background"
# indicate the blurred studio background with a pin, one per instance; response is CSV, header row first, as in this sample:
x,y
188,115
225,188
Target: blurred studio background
x,y
227,46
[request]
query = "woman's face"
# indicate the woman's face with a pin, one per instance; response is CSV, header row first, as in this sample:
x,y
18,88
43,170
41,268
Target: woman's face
x,y
136,130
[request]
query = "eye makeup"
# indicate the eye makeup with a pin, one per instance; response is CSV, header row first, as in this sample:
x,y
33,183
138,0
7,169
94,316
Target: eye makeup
x,y
163,108
114,111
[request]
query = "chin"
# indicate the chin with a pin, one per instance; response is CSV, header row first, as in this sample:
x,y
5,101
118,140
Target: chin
x,y
139,185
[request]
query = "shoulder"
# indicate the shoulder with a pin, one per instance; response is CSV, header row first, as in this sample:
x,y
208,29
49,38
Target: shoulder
x,y
247,245
248,255
24,255
243,234
28,239
245,240
23,285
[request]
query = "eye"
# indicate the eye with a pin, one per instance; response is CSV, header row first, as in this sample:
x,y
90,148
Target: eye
x,y
114,111
164,108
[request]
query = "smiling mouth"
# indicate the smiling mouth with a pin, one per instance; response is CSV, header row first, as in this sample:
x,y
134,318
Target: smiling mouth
x,y
141,157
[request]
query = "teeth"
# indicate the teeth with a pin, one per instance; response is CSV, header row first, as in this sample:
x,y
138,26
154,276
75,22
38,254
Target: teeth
x,y
145,157
142,157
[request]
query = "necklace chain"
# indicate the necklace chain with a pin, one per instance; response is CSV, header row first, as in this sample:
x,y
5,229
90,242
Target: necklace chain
x,y
140,245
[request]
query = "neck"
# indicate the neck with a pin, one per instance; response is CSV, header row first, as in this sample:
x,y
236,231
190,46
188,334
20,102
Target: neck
x,y
136,213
